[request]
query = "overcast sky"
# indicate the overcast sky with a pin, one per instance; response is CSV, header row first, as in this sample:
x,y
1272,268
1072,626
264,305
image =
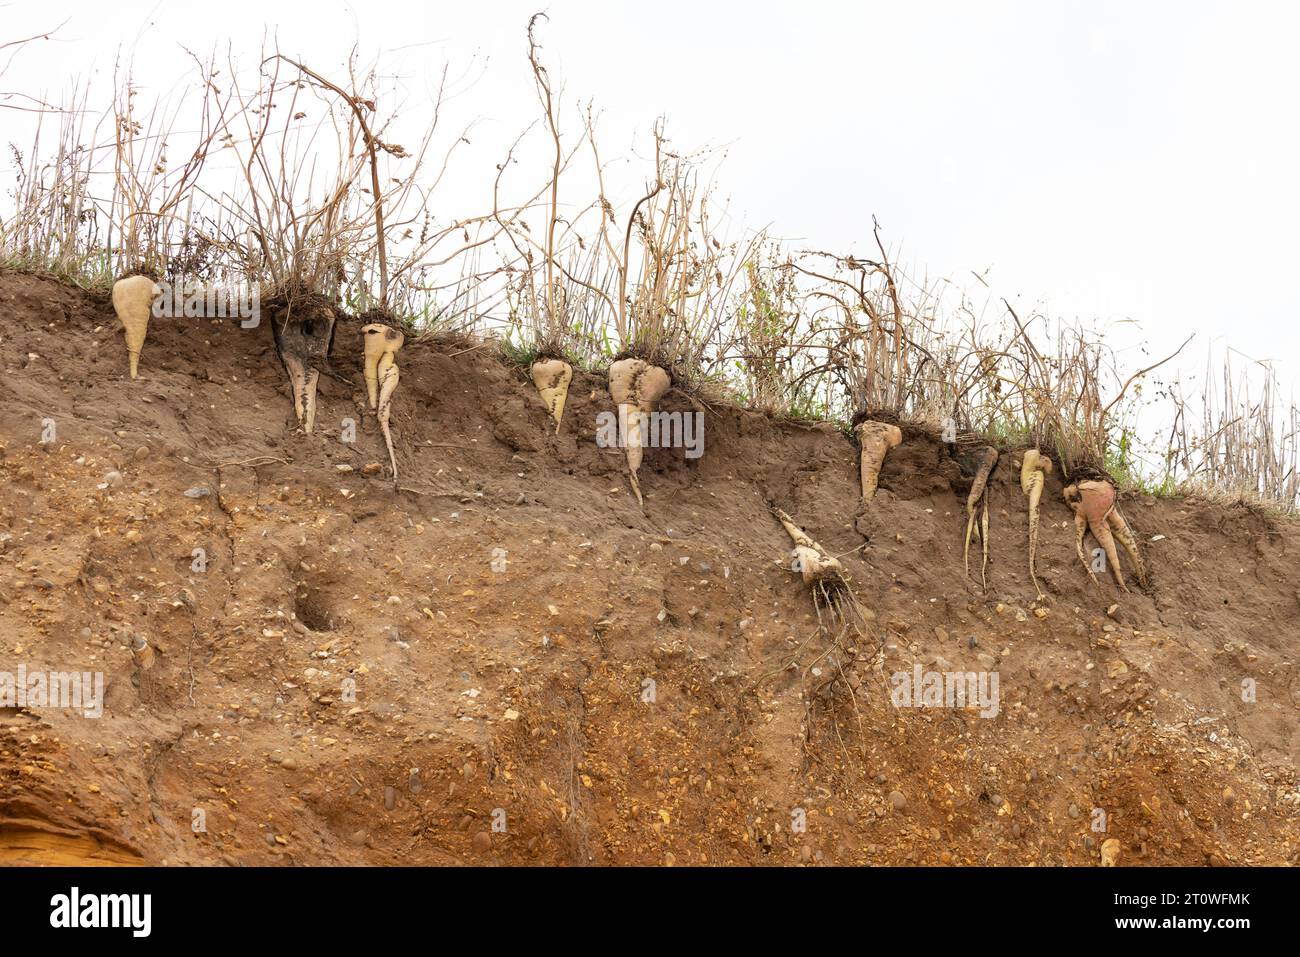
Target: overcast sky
x,y
1106,160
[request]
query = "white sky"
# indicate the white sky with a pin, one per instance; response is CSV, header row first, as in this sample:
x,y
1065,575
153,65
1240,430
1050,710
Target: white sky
x,y
1107,160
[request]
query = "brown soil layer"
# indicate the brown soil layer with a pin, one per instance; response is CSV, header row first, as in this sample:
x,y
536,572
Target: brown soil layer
x,y
518,696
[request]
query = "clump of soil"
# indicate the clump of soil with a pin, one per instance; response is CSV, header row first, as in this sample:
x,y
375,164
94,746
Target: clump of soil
x,y
504,660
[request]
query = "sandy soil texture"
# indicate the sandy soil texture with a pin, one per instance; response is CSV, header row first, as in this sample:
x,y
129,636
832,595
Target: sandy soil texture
x,y
503,661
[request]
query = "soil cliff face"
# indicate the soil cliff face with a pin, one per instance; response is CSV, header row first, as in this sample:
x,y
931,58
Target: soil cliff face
x,y
503,661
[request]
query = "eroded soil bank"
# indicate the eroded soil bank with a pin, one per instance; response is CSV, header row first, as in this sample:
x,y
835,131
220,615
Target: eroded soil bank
x,y
364,674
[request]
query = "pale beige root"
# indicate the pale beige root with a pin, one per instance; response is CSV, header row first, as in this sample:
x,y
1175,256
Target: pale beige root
x,y
984,540
814,562
378,339
634,451
552,378
298,383
988,458
824,575
636,387
1032,462
799,536
970,526
1080,530
309,400
388,379
1093,503
1035,498
373,340
1124,534
876,439
303,382
133,301
1107,541
1034,469
382,342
